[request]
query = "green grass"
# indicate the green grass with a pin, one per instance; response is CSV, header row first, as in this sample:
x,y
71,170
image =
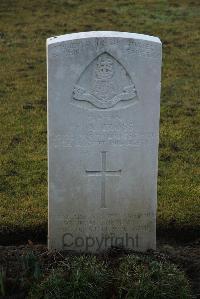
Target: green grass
x,y
141,277
24,27
79,277
135,277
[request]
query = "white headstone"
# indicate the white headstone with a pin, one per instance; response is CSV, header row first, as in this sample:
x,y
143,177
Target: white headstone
x,y
103,128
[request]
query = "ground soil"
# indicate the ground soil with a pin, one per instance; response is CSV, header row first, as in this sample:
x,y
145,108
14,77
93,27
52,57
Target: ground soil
x,y
186,256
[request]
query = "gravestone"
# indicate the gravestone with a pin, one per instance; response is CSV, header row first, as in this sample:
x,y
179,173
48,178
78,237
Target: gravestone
x,y
103,128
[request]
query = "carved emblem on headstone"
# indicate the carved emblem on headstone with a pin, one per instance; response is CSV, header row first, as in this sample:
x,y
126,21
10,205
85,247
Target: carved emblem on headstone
x,y
104,83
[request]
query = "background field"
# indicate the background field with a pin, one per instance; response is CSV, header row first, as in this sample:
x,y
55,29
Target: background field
x,y
24,27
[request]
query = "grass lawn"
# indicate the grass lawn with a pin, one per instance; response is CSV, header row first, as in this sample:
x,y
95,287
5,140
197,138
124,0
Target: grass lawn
x,y
39,274
24,27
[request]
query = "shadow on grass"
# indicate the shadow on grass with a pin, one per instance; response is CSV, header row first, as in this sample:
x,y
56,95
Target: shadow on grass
x,y
38,234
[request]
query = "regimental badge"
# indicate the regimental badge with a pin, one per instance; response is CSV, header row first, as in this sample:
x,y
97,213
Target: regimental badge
x,y
104,83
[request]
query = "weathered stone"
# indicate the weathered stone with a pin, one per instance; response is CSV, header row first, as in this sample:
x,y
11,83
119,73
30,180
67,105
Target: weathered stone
x,y
103,128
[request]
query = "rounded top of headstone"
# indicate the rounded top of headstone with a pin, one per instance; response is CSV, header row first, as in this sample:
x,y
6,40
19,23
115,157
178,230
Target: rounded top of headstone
x,y
99,34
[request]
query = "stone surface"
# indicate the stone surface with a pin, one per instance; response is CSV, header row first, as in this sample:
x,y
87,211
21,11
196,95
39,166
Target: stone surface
x,y
103,128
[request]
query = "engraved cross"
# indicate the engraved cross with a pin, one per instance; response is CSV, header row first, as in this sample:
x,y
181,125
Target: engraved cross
x,y
103,172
